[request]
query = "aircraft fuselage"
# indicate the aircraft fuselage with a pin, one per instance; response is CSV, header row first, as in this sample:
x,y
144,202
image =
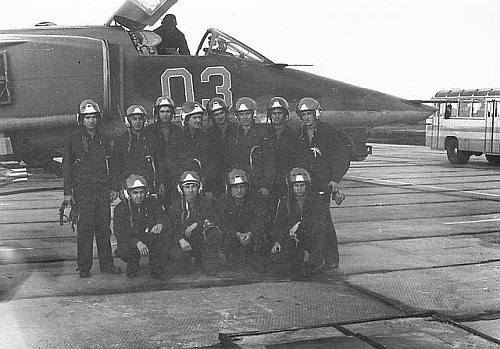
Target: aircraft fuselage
x,y
49,70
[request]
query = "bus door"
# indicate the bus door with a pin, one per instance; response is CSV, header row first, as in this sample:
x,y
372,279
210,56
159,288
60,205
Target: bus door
x,y
492,136
436,125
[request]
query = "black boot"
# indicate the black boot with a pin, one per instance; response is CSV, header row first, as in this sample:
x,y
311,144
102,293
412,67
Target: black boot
x,y
111,269
84,273
132,269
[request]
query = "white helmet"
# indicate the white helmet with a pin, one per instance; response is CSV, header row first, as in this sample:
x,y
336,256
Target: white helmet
x,y
189,109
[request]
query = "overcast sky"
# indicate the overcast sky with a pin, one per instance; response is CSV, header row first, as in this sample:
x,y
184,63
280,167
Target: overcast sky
x,y
407,48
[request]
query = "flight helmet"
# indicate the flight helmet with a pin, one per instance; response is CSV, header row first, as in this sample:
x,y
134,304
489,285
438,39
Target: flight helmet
x,y
160,102
278,102
298,175
189,109
244,104
190,177
216,104
136,110
308,103
236,176
88,106
136,181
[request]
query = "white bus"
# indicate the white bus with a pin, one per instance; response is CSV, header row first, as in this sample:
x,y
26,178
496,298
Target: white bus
x,y
467,122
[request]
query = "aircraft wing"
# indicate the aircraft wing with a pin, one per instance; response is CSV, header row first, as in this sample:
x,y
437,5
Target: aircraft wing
x,y
137,14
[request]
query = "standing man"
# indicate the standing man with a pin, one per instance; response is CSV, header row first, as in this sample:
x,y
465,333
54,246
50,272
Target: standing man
x,y
173,41
90,183
138,225
285,142
193,226
164,131
217,135
250,149
136,151
300,226
245,223
323,154
190,146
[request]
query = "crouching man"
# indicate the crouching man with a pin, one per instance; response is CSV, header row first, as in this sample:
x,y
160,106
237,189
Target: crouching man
x,y
193,226
138,227
244,221
300,226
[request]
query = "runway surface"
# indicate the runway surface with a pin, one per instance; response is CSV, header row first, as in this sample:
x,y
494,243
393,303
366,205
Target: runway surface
x,y
420,268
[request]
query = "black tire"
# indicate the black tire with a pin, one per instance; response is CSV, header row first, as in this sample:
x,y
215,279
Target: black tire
x,y
456,156
493,159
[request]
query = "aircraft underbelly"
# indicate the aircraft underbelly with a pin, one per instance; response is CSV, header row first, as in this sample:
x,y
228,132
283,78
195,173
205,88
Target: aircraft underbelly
x,y
352,119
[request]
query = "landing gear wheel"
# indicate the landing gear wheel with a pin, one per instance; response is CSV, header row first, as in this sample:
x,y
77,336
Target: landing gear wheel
x,y
456,156
493,159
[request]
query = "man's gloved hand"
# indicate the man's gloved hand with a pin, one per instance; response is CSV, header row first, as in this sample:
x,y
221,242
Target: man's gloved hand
x,y
157,229
276,248
143,249
68,199
190,229
338,197
113,195
293,230
264,192
245,238
161,190
186,246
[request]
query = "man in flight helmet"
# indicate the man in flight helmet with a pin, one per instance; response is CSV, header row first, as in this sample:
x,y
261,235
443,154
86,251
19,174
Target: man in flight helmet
x,y
327,158
191,147
300,225
244,222
90,184
166,132
162,127
137,151
193,226
250,148
173,41
217,133
285,143
138,224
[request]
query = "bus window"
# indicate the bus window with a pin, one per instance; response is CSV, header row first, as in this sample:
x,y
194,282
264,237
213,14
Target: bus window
x,y
447,111
478,109
452,108
464,109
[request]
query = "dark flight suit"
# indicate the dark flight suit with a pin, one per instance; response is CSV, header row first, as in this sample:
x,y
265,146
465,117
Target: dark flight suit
x,y
252,152
131,153
312,231
216,155
90,180
286,149
172,43
329,163
251,216
133,224
185,148
166,158
205,243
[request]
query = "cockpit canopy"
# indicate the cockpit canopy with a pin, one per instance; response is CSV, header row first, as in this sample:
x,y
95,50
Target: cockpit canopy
x,y
135,15
215,42
138,14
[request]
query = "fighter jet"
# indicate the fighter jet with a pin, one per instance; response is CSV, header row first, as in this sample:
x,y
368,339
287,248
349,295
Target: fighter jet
x,y
46,70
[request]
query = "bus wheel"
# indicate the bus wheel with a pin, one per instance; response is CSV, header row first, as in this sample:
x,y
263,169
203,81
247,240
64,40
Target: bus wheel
x,y
493,159
456,156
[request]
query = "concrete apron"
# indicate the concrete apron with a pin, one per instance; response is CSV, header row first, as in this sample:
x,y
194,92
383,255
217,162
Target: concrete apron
x,y
180,318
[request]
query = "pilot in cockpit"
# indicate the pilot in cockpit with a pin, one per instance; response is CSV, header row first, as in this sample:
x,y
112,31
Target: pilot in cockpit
x,y
173,40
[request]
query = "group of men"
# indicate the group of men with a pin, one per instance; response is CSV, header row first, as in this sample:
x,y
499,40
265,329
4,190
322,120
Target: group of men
x,y
250,194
